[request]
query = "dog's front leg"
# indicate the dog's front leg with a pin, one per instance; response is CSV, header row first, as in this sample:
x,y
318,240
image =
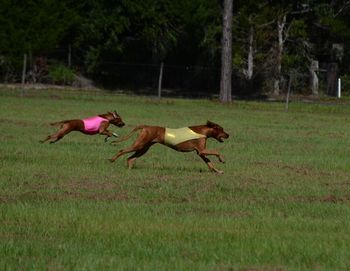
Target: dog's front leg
x,y
103,131
213,152
210,164
108,136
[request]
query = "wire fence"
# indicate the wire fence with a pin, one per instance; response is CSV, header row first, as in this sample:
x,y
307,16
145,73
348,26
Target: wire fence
x,y
189,81
168,80
143,78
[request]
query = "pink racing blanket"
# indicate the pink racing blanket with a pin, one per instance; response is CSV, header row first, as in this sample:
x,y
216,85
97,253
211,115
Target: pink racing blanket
x,y
92,125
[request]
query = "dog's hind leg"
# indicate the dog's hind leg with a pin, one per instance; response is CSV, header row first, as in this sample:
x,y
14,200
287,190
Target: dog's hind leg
x,y
128,150
66,128
122,152
54,138
131,160
141,143
46,139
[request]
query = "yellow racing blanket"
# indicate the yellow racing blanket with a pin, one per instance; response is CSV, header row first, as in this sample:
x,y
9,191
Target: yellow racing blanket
x,y
176,136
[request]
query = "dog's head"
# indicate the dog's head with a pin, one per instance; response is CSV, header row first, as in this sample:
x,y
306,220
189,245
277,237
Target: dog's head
x,y
217,132
116,119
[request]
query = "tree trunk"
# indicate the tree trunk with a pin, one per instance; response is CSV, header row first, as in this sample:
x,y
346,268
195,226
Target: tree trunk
x,y
280,28
226,53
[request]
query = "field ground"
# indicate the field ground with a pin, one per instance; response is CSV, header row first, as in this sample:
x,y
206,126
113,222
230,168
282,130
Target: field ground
x,y
283,202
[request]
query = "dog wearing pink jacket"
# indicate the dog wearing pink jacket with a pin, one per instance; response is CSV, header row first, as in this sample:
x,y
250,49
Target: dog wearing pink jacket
x,y
89,126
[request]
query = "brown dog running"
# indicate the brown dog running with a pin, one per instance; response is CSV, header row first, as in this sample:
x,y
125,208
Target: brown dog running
x,y
186,139
89,126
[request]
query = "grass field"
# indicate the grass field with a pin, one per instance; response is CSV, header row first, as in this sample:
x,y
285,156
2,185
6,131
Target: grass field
x,y
283,202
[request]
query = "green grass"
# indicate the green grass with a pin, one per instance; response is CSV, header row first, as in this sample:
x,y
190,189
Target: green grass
x,y
283,202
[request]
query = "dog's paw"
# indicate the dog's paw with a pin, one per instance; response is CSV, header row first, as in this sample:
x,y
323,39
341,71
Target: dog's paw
x,y
218,171
221,158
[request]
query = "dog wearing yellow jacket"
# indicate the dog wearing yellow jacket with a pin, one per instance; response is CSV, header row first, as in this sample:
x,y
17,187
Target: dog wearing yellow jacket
x,y
192,138
173,137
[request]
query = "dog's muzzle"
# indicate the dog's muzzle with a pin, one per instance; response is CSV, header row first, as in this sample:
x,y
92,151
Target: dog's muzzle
x,y
221,138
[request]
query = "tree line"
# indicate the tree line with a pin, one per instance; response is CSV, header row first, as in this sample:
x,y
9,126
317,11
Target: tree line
x,y
272,41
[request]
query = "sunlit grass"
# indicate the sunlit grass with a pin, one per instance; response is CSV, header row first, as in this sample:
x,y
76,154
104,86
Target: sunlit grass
x,y
282,202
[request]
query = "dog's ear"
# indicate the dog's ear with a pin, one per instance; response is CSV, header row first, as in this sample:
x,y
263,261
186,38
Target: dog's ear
x,y
211,124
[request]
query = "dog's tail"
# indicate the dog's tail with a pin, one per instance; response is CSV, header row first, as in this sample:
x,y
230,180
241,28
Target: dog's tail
x,y
129,135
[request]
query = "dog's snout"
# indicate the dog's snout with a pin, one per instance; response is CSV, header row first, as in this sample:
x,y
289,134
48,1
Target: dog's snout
x,y
225,135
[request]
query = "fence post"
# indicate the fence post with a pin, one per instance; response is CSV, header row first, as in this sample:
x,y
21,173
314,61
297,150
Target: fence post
x,y
24,70
160,80
288,92
339,87
69,56
314,67
332,78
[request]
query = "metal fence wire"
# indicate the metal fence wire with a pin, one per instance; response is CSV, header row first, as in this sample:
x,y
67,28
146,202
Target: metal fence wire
x,y
176,80
188,81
